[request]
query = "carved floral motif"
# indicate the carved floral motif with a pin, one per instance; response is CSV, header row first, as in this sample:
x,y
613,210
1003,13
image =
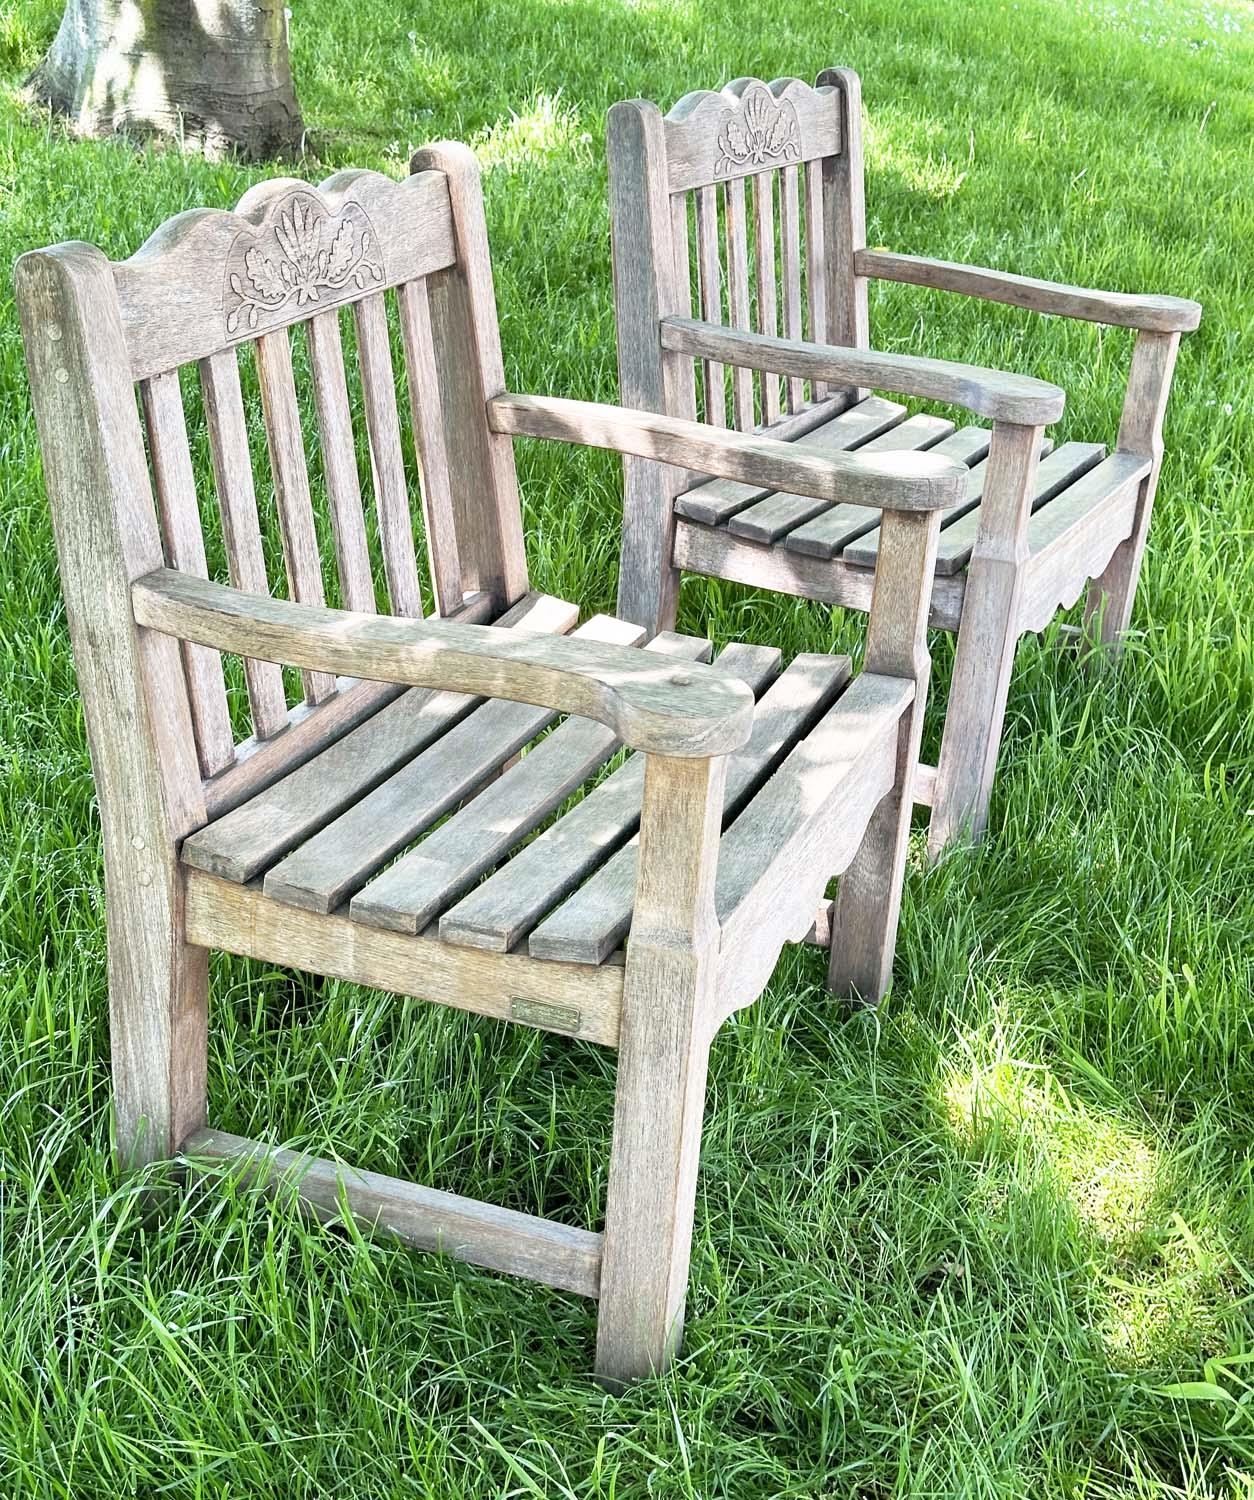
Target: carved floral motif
x,y
763,132
304,254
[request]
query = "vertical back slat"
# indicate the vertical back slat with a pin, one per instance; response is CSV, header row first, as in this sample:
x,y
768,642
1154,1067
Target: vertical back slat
x,y
816,274
428,427
387,463
738,294
339,461
185,550
683,283
790,247
286,444
711,299
241,528
764,277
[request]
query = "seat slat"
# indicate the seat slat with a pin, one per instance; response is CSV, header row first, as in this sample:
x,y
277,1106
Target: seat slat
x,y
241,526
498,914
777,514
246,841
708,290
387,464
332,866
764,274
717,501
419,886
339,461
828,533
588,926
961,525
185,549
428,429
790,251
286,445
738,294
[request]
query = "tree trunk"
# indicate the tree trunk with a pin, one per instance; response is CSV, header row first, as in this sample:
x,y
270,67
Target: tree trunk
x,y
215,76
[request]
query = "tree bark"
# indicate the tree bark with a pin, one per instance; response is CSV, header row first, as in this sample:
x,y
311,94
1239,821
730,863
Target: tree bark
x,y
214,75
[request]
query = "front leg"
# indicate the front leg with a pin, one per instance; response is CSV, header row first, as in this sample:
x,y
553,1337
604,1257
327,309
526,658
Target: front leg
x,y
987,637
1109,605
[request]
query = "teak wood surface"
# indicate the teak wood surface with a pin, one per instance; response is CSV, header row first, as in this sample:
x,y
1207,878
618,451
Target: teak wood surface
x,y
455,792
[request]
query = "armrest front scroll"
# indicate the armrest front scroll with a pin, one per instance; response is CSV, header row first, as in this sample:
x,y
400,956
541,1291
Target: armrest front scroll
x,y
1150,314
883,481
652,704
988,393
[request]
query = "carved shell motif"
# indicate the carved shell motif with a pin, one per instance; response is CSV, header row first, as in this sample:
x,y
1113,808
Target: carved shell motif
x,y
304,255
763,132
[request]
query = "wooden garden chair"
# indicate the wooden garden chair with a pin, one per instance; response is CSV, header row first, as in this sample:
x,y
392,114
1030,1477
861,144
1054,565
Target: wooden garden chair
x,y
1030,531
703,852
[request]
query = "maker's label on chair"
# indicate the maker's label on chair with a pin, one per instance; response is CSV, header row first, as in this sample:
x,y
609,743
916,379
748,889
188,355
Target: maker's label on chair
x,y
540,1013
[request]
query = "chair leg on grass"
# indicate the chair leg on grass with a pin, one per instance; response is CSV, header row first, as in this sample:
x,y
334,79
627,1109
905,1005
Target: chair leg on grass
x,y
668,1000
987,638
868,901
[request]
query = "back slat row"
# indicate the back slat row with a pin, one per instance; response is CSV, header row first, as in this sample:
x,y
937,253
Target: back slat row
x,y
232,423
769,263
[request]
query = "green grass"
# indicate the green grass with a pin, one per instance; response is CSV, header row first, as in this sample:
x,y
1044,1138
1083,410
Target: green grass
x,y
995,1240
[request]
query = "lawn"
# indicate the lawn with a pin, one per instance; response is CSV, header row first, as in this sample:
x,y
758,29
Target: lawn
x,y
995,1240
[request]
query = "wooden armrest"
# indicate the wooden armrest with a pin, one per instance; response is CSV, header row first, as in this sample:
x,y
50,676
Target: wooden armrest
x,y
655,705
1119,309
988,393
884,481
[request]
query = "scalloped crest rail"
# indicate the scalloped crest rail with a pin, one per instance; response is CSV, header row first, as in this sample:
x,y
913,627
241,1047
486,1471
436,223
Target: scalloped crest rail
x,y
391,794
738,217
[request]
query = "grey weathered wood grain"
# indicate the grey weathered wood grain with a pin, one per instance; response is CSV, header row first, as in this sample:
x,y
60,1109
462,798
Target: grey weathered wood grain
x,y
171,289
433,462
567,998
499,1239
816,259
659,1098
844,215
135,704
710,297
1119,309
790,255
830,531
693,711
286,446
736,232
332,865
1109,605
717,501
184,542
800,830
241,526
387,463
246,841
907,481
339,461
498,914
987,393
1074,538
412,892
468,350
695,128
764,281
591,923
704,549
960,526
986,640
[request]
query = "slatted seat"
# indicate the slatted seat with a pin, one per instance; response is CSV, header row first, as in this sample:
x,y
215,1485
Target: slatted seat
x,y
745,207
454,791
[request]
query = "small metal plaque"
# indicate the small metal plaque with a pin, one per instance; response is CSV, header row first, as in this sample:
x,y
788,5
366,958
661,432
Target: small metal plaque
x,y
551,1017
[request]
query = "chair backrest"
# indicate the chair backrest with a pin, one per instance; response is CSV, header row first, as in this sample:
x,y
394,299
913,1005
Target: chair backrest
x,y
753,199
210,469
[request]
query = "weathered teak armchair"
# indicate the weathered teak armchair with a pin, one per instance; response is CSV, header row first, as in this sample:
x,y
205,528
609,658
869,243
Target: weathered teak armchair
x,y
1030,531
703,852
